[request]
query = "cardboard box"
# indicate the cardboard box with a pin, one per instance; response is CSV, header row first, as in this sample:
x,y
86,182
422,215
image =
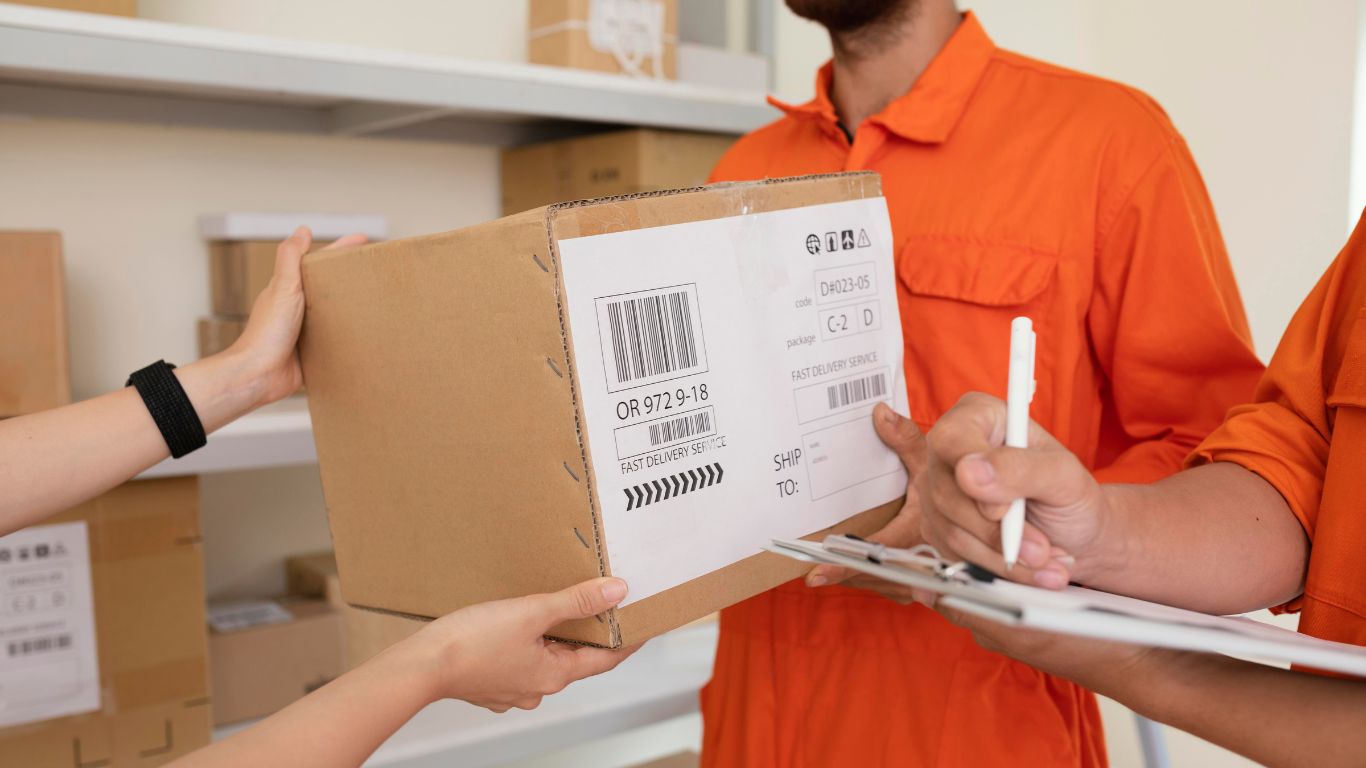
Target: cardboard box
x,y
110,7
367,632
616,163
238,271
34,370
218,333
258,670
633,37
649,386
146,569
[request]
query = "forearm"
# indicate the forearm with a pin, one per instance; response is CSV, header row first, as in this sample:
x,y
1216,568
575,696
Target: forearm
x,y
1273,716
340,724
1217,539
56,459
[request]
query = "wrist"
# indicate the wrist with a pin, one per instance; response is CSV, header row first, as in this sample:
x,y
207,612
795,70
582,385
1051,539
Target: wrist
x,y
220,387
1107,550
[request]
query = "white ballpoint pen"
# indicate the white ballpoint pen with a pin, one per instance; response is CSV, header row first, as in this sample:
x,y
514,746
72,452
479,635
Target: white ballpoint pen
x,y
1019,394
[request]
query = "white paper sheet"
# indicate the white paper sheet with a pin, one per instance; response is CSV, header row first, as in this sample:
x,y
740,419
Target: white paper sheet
x,y
48,662
728,369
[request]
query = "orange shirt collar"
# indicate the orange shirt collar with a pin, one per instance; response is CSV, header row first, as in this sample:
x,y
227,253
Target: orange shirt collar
x,y
930,110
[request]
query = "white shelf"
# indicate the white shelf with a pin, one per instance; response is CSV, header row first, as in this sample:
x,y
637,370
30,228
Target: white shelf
x,y
62,64
658,683
278,435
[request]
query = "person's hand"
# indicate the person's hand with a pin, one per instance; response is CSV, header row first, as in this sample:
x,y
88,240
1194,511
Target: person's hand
x,y
267,347
1094,664
903,531
495,654
971,478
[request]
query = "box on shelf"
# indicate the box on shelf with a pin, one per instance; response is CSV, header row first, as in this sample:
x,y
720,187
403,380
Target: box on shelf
x,y
616,163
238,271
367,632
110,7
650,386
634,37
259,665
145,702
218,333
34,370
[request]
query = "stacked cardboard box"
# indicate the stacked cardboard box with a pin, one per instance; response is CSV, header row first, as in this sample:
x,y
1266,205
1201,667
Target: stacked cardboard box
x,y
285,650
238,272
110,7
34,371
133,555
633,37
367,632
616,163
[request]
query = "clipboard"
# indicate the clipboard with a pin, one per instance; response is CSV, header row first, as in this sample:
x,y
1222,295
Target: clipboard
x,y
1077,610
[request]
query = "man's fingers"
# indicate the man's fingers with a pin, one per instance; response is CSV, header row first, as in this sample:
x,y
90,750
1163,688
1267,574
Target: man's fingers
x,y
902,531
902,436
1001,475
581,601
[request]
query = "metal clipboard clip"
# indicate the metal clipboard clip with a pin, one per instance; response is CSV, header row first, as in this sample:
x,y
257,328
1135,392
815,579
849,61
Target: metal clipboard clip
x,y
921,556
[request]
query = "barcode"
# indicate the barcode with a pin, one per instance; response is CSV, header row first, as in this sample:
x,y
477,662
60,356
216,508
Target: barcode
x,y
39,645
680,428
652,335
856,390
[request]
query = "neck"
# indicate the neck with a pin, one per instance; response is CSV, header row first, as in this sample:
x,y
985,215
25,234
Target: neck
x,y
875,65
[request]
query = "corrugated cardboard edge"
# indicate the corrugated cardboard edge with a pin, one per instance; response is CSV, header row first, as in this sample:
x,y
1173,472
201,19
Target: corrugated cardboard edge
x,y
571,374
864,523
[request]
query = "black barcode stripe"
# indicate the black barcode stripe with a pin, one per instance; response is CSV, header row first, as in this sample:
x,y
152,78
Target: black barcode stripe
x,y
39,645
652,335
847,393
680,428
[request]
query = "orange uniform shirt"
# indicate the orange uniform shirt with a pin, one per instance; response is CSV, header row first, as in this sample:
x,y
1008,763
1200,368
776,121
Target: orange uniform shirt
x,y
1306,435
1015,187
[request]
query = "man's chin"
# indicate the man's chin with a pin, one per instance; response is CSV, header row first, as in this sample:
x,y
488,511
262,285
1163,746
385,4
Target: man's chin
x,y
840,16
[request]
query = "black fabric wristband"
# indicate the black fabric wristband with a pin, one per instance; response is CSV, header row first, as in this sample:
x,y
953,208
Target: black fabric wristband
x,y
170,407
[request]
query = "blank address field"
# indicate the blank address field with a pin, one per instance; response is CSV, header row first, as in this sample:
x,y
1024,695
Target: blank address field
x,y
845,455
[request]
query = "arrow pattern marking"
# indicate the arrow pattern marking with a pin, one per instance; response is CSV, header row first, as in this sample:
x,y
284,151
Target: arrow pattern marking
x,y
672,486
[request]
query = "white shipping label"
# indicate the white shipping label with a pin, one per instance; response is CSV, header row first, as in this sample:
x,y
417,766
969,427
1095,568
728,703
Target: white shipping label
x,y
728,371
48,663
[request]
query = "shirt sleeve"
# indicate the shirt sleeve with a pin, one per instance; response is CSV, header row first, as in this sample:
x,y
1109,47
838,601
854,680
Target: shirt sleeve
x,y
1283,436
1166,323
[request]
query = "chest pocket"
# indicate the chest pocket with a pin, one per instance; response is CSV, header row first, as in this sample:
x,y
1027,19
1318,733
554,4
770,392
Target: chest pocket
x,y
957,301
1339,538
